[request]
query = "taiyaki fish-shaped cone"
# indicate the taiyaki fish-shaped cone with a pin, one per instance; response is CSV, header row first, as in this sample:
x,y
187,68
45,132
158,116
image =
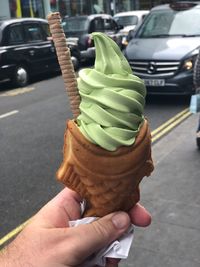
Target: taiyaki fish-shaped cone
x,y
108,181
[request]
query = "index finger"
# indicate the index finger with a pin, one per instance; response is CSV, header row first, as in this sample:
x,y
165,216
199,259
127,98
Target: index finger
x,y
140,216
60,210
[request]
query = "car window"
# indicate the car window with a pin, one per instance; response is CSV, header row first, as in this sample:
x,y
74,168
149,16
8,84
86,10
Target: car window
x,y
45,28
127,20
109,25
33,32
158,23
171,22
102,25
190,21
15,35
75,24
97,25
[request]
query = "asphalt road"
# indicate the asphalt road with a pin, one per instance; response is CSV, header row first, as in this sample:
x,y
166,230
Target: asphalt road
x,y
31,140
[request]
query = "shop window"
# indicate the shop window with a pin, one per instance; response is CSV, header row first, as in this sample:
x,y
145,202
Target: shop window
x,y
13,8
97,7
26,8
70,8
33,8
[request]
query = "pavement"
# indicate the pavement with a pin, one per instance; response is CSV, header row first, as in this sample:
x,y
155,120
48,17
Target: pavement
x,y
172,195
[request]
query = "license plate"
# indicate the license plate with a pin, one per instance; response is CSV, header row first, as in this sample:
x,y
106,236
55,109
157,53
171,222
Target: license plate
x,y
154,82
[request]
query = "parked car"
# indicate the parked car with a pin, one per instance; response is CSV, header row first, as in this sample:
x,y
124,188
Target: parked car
x,y
129,20
165,46
78,29
26,49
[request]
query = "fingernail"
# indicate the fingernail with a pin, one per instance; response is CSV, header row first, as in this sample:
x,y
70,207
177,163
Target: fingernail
x,y
120,220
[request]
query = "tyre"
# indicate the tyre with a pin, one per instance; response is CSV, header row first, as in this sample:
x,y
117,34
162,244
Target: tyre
x,y
21,76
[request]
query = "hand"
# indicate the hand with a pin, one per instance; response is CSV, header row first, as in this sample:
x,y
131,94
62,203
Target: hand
x,y
47,241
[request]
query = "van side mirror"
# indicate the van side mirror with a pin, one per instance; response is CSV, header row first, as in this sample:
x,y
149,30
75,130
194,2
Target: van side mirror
x,y
131,35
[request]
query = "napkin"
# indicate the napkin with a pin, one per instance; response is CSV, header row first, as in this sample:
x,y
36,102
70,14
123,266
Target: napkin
x,y
118,249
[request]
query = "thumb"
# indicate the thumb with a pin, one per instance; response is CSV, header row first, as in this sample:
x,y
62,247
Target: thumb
x,y
90,238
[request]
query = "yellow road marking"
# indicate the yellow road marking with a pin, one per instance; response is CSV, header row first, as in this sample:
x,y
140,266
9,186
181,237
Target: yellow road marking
x,y
17,91
13,233
168,128
170,121
156,134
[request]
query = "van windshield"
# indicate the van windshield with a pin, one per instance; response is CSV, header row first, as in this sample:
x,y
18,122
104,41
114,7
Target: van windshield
x,y
165,23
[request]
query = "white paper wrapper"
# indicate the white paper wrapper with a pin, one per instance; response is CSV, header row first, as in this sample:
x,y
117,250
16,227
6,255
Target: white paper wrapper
x,y
118,249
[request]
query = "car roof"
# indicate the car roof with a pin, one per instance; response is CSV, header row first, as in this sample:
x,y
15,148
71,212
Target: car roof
x,y
132,13
92,16
89,17
7,22
168,6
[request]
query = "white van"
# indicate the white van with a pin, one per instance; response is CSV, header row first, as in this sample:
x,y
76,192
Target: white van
x,y
129,20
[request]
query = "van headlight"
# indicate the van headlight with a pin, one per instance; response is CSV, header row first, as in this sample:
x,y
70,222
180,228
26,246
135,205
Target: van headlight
x,y
188,64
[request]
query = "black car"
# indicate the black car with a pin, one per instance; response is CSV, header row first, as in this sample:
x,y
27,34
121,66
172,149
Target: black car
x,y
163,49
26,49
78,29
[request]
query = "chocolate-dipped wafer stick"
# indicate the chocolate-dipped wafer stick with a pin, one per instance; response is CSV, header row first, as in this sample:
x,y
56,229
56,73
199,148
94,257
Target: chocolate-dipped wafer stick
x,y
64,59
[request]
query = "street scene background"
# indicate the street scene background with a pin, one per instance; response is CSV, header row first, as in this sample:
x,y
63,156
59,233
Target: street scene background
x,y
32,125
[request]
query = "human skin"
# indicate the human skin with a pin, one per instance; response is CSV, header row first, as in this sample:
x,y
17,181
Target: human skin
x,y
47,241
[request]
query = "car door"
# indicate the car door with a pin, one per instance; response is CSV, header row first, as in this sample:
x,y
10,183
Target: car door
x,y
14,43
52,59
40,50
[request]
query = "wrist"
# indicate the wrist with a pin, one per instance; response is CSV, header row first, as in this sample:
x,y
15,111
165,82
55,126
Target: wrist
x,y
5,258
11,256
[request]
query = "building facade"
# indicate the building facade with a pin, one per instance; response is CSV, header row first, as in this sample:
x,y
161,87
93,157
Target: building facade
x,y
24,8
40,8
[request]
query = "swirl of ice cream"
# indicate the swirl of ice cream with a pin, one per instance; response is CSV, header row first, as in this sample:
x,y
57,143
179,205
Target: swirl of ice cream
x,y
112,98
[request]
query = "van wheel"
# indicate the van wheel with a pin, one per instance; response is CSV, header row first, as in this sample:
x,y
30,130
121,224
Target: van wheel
x,y
20,76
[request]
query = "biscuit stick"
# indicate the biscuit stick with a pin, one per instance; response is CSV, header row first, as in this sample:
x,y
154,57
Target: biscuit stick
x,y
64,59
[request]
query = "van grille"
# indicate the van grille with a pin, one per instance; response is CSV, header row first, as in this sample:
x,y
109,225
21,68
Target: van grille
x,y
154,68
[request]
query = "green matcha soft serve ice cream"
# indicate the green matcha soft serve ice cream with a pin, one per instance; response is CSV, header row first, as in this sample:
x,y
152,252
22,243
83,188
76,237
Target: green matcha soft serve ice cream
x,y
112,98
